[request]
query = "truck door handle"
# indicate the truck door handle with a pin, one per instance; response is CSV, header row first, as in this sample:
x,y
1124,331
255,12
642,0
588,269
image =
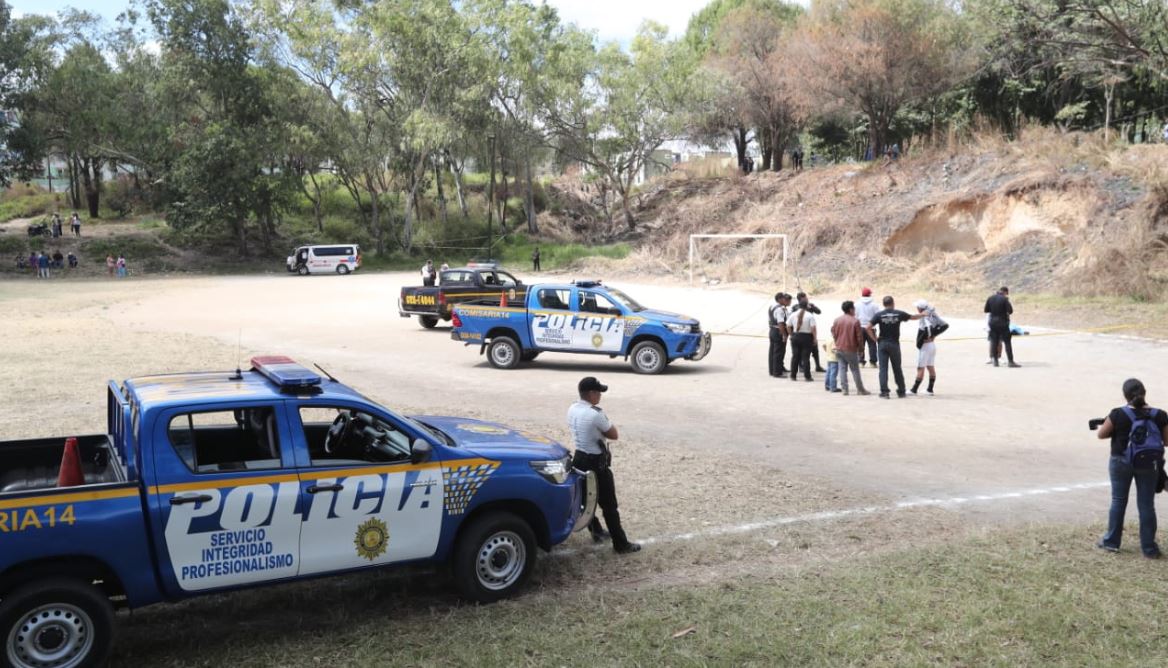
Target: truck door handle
x,y
197,498
315,489
425,483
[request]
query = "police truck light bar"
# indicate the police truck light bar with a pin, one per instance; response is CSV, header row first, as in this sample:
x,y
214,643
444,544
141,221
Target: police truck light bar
x,y
285,372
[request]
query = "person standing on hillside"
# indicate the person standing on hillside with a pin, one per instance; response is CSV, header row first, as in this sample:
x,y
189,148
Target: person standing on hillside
x,y
849,344
110,264
122,266
999,309
75,223
931,326
888,346
777,327
864,312
43,264
590,427
801,325
535,259
1152,426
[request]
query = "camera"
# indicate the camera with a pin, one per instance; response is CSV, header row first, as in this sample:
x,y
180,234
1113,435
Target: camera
x,y
1096,423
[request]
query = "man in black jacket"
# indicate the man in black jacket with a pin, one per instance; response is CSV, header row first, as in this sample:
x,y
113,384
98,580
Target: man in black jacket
x,y
999,309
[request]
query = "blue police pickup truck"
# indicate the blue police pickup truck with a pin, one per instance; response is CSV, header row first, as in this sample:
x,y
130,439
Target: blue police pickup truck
x,y
581,317
216,481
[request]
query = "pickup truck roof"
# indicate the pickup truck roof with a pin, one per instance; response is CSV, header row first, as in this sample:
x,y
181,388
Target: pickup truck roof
x,y
192,389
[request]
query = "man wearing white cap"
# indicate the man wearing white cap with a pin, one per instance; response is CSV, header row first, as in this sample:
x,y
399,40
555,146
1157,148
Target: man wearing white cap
x,y
931,325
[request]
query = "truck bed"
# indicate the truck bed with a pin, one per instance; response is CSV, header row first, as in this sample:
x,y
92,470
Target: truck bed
x,y
32,465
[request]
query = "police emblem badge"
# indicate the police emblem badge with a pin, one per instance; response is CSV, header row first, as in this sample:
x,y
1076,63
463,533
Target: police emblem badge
x,y
597,340
372,538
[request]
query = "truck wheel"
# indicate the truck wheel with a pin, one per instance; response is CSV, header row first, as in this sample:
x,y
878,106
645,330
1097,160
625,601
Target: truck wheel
x,y
342,269
428,321
494,557
503,353
303,270
57,623
648,357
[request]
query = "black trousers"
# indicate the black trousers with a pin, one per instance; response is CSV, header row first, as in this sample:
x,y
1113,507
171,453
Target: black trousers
x,y
1000,336
428,282
605,496
801,346
535,264
870,344
778,352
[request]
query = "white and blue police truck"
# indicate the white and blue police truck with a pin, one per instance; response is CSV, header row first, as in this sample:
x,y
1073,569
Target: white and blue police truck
x,y
208,482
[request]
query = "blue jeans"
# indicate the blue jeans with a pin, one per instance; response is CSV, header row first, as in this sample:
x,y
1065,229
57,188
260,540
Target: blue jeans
x,y
1121,479
830,381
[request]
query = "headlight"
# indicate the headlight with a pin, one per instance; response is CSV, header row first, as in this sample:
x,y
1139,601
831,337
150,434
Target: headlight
x,y
677,328
554,470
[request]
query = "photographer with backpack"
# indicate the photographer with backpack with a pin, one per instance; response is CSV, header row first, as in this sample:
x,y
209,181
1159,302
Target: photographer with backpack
x,y
1137,432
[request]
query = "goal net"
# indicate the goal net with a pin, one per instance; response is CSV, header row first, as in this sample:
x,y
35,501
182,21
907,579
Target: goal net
x,y
761,254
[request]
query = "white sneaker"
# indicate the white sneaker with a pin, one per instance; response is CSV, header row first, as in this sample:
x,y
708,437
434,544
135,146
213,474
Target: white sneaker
x,y
929,392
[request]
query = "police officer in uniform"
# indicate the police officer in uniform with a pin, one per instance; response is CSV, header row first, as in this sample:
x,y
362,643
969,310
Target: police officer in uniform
x,y
590,426
777,321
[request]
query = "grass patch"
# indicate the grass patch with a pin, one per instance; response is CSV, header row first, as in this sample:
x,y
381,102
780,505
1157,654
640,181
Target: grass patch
x,y
28,202
138,250
517,254
1037,597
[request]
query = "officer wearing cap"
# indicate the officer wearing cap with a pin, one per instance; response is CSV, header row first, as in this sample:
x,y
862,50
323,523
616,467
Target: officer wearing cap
x,y
590,427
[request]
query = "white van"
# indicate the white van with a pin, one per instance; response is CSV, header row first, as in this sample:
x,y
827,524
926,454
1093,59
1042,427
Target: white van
x,y
339,258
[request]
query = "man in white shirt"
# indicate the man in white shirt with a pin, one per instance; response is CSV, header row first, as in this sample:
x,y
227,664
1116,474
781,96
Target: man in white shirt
x,y
801,325
865,309
428,273
590,426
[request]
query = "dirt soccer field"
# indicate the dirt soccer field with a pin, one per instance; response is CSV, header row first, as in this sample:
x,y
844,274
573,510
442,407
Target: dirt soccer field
x,y
723,471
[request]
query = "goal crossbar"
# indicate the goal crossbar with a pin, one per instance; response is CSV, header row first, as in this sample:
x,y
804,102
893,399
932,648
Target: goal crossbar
x,y
695,237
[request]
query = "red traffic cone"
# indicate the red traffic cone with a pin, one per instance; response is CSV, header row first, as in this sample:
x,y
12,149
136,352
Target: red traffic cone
x,y
70,474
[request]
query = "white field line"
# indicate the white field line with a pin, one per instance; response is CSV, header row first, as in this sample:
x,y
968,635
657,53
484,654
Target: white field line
x,y
831,515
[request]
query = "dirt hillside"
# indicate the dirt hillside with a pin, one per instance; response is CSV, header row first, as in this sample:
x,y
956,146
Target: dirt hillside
x,y
1056,213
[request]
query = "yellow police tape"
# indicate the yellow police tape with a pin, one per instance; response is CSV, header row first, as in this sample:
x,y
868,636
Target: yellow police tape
x,y
1092,330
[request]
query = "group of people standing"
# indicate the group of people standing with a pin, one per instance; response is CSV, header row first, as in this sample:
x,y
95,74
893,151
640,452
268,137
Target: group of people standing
x,y
857,331
42,264
56,227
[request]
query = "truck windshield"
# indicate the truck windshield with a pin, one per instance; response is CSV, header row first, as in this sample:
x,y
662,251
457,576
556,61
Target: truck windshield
x,y
625,300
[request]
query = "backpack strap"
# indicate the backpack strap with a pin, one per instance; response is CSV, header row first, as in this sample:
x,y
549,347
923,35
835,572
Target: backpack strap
x,y
1131,414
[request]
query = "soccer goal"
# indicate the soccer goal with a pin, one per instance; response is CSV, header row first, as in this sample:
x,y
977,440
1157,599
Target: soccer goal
x,y
694,257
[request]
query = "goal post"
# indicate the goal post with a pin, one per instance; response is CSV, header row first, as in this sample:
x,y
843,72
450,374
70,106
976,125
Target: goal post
x,y
695,237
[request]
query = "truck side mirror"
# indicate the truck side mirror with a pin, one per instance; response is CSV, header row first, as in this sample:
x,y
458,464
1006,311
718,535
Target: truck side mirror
x,y
420,451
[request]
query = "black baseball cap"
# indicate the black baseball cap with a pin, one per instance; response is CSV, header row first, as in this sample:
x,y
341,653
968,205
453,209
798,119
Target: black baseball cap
x,y
590,384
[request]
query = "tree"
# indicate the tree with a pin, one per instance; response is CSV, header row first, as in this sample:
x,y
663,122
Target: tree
x,y
875,56
72,112
226,170
630,104
753,49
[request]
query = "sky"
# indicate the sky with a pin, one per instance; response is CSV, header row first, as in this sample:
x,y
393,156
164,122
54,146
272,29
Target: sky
x,y
611,19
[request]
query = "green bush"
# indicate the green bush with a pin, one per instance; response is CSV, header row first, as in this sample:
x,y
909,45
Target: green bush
x,y
120,197
346,231
12,245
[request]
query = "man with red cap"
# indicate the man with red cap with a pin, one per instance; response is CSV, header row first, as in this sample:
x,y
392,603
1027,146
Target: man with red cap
x,y
865,309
